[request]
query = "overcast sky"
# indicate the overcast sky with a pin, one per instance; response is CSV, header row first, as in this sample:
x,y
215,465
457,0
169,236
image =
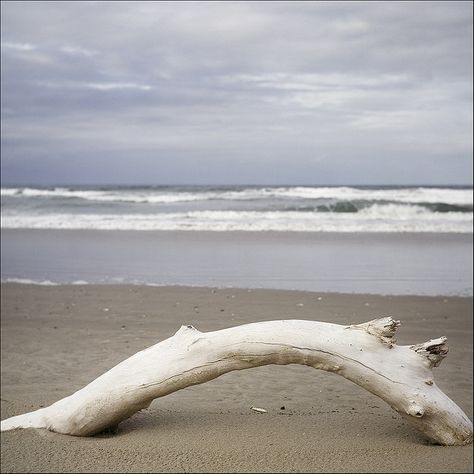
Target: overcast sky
x,y
237,92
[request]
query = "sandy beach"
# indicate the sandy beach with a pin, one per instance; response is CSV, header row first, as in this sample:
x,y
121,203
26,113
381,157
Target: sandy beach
x,y
189,168
56,339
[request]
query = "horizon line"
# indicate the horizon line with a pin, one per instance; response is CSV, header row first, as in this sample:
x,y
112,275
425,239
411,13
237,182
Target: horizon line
x,y
233,185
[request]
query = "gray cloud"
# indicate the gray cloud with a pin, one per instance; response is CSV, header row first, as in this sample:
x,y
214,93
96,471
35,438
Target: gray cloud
x,y
249,92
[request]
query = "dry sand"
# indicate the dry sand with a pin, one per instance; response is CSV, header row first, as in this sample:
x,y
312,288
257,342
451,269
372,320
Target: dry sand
x,y
57,339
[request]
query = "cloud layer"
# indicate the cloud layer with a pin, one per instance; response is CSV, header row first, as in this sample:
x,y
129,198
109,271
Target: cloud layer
x,y
237,92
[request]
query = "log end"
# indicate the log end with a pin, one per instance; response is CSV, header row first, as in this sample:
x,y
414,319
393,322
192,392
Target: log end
x,y
434,350
32,419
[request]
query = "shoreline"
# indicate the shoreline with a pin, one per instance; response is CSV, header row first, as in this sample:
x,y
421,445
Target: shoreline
x,y
56,339
127,285
253,233
360,263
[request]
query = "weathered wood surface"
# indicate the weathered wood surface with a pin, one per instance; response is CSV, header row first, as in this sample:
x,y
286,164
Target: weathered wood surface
x,y
366,354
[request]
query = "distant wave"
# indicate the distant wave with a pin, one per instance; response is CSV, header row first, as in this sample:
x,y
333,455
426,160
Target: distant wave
x,y
283,208
448,196
102,196
27,281
358,205
376,218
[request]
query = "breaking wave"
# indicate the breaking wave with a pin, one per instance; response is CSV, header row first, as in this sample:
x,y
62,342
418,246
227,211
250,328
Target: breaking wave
x,y
290,208
450,196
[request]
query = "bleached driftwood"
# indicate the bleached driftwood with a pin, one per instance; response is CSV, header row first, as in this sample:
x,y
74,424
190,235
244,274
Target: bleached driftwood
x,y
366,354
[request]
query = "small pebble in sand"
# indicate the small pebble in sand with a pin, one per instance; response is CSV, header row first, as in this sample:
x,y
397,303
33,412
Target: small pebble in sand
x,y
106,309
299,304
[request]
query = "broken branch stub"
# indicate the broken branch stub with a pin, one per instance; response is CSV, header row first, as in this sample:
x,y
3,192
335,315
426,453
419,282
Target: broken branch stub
x,y
365,353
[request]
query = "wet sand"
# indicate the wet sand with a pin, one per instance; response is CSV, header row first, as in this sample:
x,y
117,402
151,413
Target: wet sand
x,y
56,339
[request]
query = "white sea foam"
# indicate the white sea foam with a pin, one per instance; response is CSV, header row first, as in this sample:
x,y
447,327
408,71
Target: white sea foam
x,y
377,218
296,208
164,196
406,195
104,196
27,281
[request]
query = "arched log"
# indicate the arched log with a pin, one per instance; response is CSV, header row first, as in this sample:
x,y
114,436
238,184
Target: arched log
x,y
366,354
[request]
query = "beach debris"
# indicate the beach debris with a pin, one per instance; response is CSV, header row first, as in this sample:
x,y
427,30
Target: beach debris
x,y
299,304
190,357
106,309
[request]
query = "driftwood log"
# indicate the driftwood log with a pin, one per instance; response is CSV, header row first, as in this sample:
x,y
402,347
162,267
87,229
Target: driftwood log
x,y
365,353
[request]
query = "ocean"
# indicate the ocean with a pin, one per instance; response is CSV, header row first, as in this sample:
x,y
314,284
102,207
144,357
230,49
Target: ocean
x,y
240,208
356,239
